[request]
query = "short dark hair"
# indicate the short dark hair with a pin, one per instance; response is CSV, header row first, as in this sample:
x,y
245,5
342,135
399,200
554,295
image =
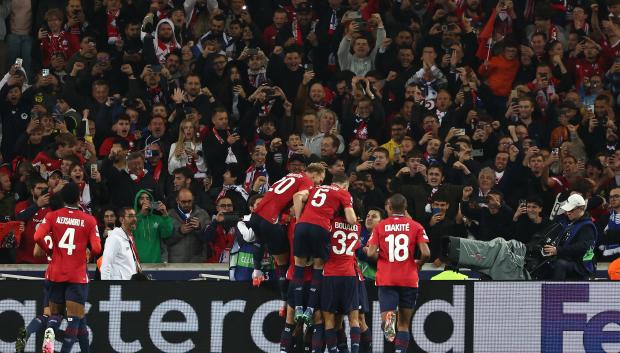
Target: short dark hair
x,y
398,203
441,196
187,173
377,209
122,212
34,180
70,193
536,200
252,200
340,178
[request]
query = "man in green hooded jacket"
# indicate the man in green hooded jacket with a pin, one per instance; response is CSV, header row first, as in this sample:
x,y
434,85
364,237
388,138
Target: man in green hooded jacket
x,y
151,228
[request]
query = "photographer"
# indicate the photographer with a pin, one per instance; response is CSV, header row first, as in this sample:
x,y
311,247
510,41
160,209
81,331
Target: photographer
x,y
185,245
574,250
220,233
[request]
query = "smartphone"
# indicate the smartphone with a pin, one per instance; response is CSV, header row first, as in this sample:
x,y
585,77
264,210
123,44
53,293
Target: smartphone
x,y
187,145
372,158
555,151
309,67
156,68
45,72
148,153
235,131
252,51
459,132
154,205
19,62
45,191
435,210
522,203
616,60
93,168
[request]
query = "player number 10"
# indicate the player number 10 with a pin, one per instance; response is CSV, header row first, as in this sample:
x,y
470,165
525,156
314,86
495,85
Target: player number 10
x,y
398,247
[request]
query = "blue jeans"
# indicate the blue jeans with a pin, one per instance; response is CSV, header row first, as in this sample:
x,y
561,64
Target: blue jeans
x,y
20,46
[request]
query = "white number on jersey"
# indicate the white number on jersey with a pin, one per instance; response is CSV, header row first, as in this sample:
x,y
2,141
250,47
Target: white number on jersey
x,y
48,241
319,197
398,247
66,242
342,238
282,185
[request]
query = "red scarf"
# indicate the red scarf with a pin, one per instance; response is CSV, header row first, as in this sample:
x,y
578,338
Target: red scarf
x,y
111,23
218,137
137,178
299,39
157,170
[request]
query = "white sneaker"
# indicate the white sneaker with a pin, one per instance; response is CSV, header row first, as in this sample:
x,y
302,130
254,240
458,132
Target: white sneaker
x,y
48,341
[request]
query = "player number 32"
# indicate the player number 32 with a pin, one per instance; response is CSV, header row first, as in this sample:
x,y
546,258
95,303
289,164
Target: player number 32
x,y
398,247
341,237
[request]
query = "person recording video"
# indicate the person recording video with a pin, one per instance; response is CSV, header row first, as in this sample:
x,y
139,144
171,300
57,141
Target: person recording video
x,y
573,250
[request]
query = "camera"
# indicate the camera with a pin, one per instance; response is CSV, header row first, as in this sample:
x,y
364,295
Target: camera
x,y
232,217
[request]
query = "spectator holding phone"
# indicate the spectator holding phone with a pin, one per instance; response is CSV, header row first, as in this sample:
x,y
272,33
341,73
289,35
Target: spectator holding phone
x,y
187,151
151,227
54,39
32,212
223,146
354,52
186,244
220,233
528,219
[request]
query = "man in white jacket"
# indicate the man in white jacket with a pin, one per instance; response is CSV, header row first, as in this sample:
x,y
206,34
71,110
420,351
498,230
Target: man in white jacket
x,y
119,261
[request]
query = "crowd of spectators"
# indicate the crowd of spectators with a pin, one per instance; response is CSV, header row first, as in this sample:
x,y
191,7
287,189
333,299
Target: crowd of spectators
x,y
486,115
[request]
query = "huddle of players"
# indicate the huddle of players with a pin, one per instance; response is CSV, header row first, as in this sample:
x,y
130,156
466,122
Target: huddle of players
x,y
324,235
66,235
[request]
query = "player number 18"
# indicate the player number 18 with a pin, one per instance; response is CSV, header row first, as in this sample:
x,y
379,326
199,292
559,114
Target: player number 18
x,y
398,247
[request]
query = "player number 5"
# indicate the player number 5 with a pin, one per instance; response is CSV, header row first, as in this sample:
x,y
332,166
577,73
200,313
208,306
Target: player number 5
x,y
319,198
398,247
66,242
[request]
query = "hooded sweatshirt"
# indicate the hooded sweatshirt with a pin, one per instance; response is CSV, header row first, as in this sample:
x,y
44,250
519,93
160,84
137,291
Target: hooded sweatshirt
x,y
161,49
150,230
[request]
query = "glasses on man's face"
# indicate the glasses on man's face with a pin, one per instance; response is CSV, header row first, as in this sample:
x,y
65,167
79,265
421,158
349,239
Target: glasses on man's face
x,y
225,205
614,196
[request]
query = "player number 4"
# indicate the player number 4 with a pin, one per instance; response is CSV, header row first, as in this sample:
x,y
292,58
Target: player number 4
x,y
398,247
342,237
66,242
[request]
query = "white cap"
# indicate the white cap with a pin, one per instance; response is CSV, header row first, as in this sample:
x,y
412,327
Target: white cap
x,y
574,201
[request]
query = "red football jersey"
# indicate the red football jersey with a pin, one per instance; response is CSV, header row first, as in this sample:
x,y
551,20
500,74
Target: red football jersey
x,y
290,232
323,203
344,242
279,197
397,237
71,231
26,243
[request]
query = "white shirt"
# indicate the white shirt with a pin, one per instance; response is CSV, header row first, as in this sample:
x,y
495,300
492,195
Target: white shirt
x,y
118,262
